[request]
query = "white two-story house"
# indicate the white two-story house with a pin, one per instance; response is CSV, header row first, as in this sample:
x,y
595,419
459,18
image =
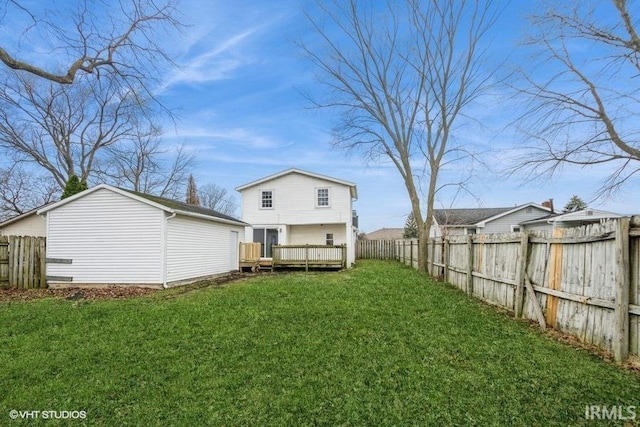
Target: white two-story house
x,y
296,207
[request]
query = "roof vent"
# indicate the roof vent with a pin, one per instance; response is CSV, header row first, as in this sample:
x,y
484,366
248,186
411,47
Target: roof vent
x,y
589,213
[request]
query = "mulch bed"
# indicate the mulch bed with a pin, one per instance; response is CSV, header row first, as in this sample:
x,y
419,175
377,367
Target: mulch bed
x,y
110,292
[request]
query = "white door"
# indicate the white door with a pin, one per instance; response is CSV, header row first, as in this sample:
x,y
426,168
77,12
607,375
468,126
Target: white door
x,y
234,261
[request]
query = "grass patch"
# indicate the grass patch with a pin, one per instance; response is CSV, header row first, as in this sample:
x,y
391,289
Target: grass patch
x,y
375,345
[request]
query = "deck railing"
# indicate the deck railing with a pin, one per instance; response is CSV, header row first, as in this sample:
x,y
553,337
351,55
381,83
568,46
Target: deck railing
x,y
310,256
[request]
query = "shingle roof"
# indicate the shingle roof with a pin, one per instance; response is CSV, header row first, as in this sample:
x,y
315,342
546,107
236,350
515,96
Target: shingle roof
x,y
466,216
182,206
18,217
386,234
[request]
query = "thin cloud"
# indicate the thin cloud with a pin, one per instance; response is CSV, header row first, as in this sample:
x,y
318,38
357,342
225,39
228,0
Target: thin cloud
x,y
240,137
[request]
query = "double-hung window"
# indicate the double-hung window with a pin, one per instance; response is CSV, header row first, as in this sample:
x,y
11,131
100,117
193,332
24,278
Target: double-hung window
x,y
322,197
266,199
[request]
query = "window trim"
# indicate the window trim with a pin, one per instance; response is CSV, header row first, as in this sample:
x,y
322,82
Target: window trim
x,y
261,200
317,191
332,239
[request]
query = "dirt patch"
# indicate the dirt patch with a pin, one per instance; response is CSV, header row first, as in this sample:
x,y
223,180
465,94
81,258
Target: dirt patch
x,y
112,292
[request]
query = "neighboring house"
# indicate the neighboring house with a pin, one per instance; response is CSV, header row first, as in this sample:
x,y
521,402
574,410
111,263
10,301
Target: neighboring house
x,y
385,234
485,220
296,207
569,219
106,235
26,224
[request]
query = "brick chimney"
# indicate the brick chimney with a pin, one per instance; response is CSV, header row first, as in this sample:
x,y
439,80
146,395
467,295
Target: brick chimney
x,y
548,204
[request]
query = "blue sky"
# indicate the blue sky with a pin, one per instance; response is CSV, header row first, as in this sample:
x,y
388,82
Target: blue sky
x,y
238,97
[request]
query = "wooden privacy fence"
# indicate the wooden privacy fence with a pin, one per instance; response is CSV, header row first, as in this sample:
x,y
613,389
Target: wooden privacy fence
x,y
405,251
22,262
376,249
584,281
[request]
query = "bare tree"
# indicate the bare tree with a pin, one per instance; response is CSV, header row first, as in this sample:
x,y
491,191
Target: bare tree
x,y
91,36
217,198
401,78
22,191
143,164
66,129
583,92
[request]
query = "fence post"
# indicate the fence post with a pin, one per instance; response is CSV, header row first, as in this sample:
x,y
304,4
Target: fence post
x,y
411,252
469,288
445,260
43,263
433,255
521,273
621,311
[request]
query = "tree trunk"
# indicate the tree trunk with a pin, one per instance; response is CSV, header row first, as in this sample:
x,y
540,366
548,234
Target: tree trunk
x,y
423,248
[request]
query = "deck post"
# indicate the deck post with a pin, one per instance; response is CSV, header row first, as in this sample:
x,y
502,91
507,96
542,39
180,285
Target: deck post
x,y
306,258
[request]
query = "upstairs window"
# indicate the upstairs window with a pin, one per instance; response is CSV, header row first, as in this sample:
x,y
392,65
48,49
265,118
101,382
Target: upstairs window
x,y
322,197
266,199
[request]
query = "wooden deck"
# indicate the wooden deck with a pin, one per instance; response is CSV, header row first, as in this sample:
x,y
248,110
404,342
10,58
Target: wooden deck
x,y
293,256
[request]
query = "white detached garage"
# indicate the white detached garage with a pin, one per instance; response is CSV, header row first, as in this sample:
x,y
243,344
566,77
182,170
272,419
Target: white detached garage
x,y
106,235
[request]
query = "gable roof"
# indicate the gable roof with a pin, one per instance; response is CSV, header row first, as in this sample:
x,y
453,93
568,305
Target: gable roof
x,y
584,215
479,216
386,234
22,216
351,185
168,205
460,217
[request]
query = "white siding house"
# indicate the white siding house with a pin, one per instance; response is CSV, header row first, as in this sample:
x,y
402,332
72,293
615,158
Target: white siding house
x,y
107,235
27,224
569,219
296,207
485,220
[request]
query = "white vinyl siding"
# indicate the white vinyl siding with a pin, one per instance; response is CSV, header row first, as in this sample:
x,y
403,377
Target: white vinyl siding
x,y
322,198
296,212
110,238
198,248
317,234
504,223
295,200
33,225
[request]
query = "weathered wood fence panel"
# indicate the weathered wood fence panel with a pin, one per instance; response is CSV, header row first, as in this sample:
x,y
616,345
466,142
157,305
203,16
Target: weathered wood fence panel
x,y
406,251
584,281
250,252
4,261
376,249
22,262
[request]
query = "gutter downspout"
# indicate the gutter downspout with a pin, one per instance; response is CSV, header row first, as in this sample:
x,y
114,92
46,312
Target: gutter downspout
x,y
164,261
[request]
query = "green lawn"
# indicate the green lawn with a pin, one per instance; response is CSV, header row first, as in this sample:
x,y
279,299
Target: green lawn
x,y
376,345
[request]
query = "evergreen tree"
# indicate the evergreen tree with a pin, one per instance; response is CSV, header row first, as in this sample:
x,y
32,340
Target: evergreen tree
x,y
575,203
410,228
73,186
192,192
